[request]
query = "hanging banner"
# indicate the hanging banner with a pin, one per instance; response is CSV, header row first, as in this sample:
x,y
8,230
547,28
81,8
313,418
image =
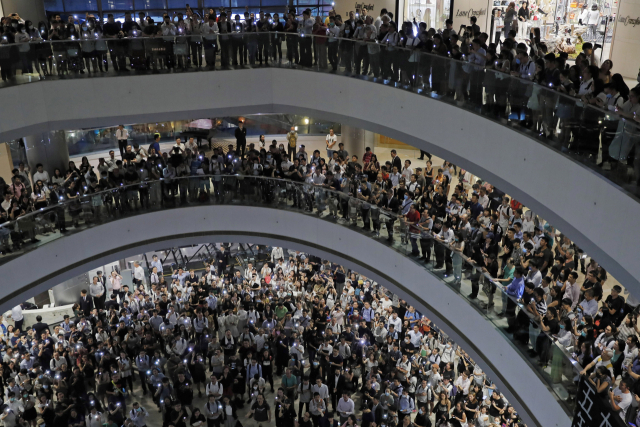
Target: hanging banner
x,y
592,410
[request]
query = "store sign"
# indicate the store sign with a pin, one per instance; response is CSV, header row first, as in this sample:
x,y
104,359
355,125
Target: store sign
x,y
465,9
626,39
369,7
469,13
628,20
592,410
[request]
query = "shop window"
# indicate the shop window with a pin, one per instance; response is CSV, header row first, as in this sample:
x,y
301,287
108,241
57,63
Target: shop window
x,y
151,4
80,5
216,4
182,4
53,6
117,5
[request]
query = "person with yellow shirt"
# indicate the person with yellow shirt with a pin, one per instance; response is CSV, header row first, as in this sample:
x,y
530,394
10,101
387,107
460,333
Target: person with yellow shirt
x,y
292,137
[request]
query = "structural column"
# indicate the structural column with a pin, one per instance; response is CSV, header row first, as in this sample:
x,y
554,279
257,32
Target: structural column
x,y
355,140
50,149
6,162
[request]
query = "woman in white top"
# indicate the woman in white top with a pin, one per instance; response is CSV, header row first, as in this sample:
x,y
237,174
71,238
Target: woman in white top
x,y
265,271
276,254
22,39
390,54
115,280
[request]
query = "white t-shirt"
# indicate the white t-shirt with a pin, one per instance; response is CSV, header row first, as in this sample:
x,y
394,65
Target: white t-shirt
x,y
331,141
624,403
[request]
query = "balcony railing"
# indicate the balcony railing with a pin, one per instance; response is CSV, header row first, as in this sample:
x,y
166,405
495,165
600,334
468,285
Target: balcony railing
x,y
557,367
598,138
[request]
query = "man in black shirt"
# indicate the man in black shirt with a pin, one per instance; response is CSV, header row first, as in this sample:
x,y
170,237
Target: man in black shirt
x,y
364,194
178,416
593,283
116,391
287,414
241,139
549,326
545,256
113,30
612,308
39,326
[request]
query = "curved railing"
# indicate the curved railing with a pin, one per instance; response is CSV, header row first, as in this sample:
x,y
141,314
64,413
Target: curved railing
x,y
598,138
85,210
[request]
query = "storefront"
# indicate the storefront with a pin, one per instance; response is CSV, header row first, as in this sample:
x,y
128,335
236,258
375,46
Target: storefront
x,y
563,25
435,12
626,40
343,7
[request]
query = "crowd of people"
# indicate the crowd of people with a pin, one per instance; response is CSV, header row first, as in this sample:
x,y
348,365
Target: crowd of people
x,y
579,105
362,44
537,268
293,340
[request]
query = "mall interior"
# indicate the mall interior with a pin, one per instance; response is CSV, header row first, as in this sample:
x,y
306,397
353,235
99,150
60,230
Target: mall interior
x,y
230,213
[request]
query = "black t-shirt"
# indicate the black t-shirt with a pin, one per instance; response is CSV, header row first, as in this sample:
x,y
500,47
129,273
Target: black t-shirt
x,y
365,193
472,407
260,411
422,420
554,326
333,184
616,304
499,403
131,176
546,256
111,29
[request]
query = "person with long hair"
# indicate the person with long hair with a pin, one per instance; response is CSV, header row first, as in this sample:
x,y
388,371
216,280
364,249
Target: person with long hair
x,y
510,16
43,53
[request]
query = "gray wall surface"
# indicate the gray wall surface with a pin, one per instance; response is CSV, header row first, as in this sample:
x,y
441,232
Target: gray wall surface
x,y
32,10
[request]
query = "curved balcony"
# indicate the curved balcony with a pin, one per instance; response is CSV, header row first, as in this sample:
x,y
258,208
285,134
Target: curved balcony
x,y
546,175
133,219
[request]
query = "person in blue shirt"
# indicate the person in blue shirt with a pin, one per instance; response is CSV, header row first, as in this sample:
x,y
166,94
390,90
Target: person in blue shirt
x,y
157,264
155,144
515,291
181,275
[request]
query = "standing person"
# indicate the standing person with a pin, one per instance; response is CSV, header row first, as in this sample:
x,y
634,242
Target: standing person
x,y
96,290
523,18
115,280
509,17
241,139
260,411
331,141
122,135
292,137
306,59
16,315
